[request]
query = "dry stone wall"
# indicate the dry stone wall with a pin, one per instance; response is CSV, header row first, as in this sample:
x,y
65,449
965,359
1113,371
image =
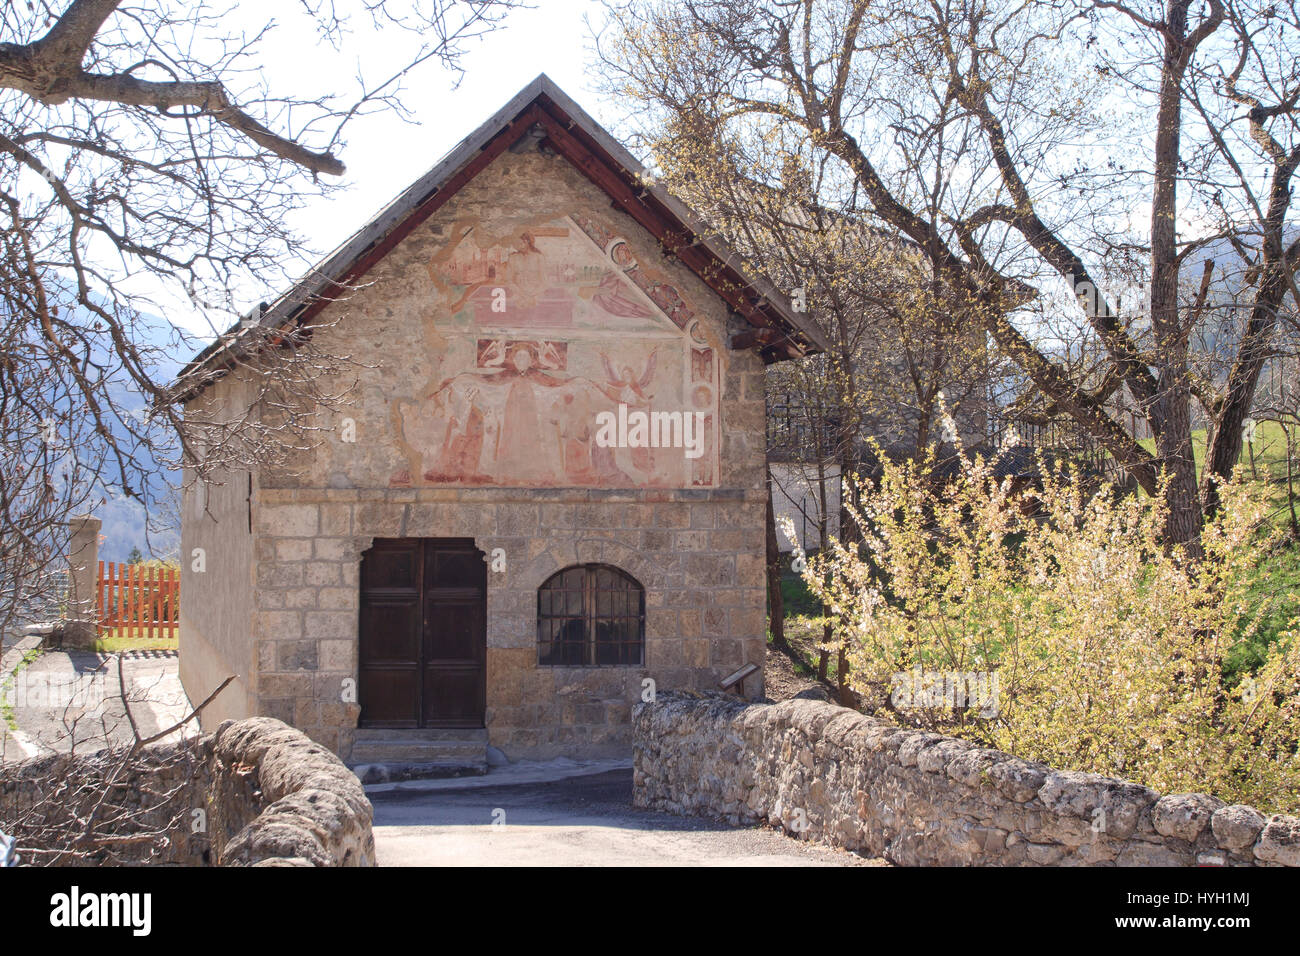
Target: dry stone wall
x,y
923,799
265,795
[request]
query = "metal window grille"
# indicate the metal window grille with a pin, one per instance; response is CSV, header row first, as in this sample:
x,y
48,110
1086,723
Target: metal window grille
x,y
590,615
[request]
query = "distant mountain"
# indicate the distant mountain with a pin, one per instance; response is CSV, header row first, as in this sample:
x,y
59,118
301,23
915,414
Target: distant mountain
x,y
126,523
1231,294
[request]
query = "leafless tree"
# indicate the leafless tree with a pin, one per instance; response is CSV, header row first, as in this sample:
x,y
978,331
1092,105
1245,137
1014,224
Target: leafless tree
x,y
143,150
1034,153
104,802
894,347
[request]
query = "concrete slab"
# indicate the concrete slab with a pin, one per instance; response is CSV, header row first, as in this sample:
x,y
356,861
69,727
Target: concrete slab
x,y
65,700
510,774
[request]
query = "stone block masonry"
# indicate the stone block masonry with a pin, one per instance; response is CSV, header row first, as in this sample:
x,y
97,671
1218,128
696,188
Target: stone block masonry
x,y
917,798
704,600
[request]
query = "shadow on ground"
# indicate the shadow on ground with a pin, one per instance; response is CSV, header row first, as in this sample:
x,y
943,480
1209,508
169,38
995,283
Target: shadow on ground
x,y
578,821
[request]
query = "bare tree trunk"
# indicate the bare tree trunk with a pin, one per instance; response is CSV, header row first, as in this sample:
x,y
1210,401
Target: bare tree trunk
x,y
775,602
1172,415
843,694
1222,455
828,630
1170,410
923,423
846,443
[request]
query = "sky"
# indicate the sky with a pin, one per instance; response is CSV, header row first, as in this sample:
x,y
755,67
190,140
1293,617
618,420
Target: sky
x,y
385,153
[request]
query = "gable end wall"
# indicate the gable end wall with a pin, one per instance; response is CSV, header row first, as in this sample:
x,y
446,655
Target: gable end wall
x,y
698,552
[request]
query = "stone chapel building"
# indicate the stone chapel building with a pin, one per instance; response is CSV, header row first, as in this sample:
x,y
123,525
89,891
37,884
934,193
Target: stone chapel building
x,y
549,489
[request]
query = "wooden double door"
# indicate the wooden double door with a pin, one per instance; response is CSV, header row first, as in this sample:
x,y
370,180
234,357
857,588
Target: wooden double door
x,y
423,633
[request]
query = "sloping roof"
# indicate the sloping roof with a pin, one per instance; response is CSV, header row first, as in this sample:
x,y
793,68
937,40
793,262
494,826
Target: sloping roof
x,y
544,112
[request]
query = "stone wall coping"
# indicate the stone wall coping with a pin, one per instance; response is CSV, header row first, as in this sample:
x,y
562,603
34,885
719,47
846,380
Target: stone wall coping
x,y
315,811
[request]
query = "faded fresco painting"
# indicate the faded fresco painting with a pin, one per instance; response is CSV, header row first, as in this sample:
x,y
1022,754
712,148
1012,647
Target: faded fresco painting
x,y
560,361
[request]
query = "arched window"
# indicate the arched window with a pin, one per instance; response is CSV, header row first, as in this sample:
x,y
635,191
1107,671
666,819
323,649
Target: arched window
x,y
590,615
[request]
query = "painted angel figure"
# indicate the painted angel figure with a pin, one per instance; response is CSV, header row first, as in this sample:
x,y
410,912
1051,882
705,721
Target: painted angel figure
x,y
494,356
548,357
631,388
611,297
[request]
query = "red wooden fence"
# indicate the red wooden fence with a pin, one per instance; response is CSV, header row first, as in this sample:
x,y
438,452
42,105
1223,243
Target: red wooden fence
x,y
138,601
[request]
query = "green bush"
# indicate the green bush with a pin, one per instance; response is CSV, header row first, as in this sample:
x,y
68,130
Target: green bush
x,y
1056,626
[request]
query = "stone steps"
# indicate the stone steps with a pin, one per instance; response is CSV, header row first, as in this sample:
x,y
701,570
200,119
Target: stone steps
x,y
454,734
380,755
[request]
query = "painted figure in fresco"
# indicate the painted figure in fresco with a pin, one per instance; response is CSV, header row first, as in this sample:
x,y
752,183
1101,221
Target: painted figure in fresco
x,y
497,421
526,422
628,387
611,297
515,420
551,326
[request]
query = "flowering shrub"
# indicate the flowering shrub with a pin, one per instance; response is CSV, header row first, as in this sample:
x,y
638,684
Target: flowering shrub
x,y
1053,625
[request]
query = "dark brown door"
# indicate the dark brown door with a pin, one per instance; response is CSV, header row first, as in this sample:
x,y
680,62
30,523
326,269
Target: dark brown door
x,y
423,633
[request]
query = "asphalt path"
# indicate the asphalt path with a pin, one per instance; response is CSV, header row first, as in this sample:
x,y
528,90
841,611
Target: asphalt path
x,y
585,820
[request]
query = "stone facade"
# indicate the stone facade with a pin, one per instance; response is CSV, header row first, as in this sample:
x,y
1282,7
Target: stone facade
x,y
290,540
922,799
698,554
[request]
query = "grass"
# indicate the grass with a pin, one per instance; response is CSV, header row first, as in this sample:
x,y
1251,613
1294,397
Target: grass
x,y
1277,577
116,641
796,597
1269,447
6,709
1268,452
802,631
802,634
1277,583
